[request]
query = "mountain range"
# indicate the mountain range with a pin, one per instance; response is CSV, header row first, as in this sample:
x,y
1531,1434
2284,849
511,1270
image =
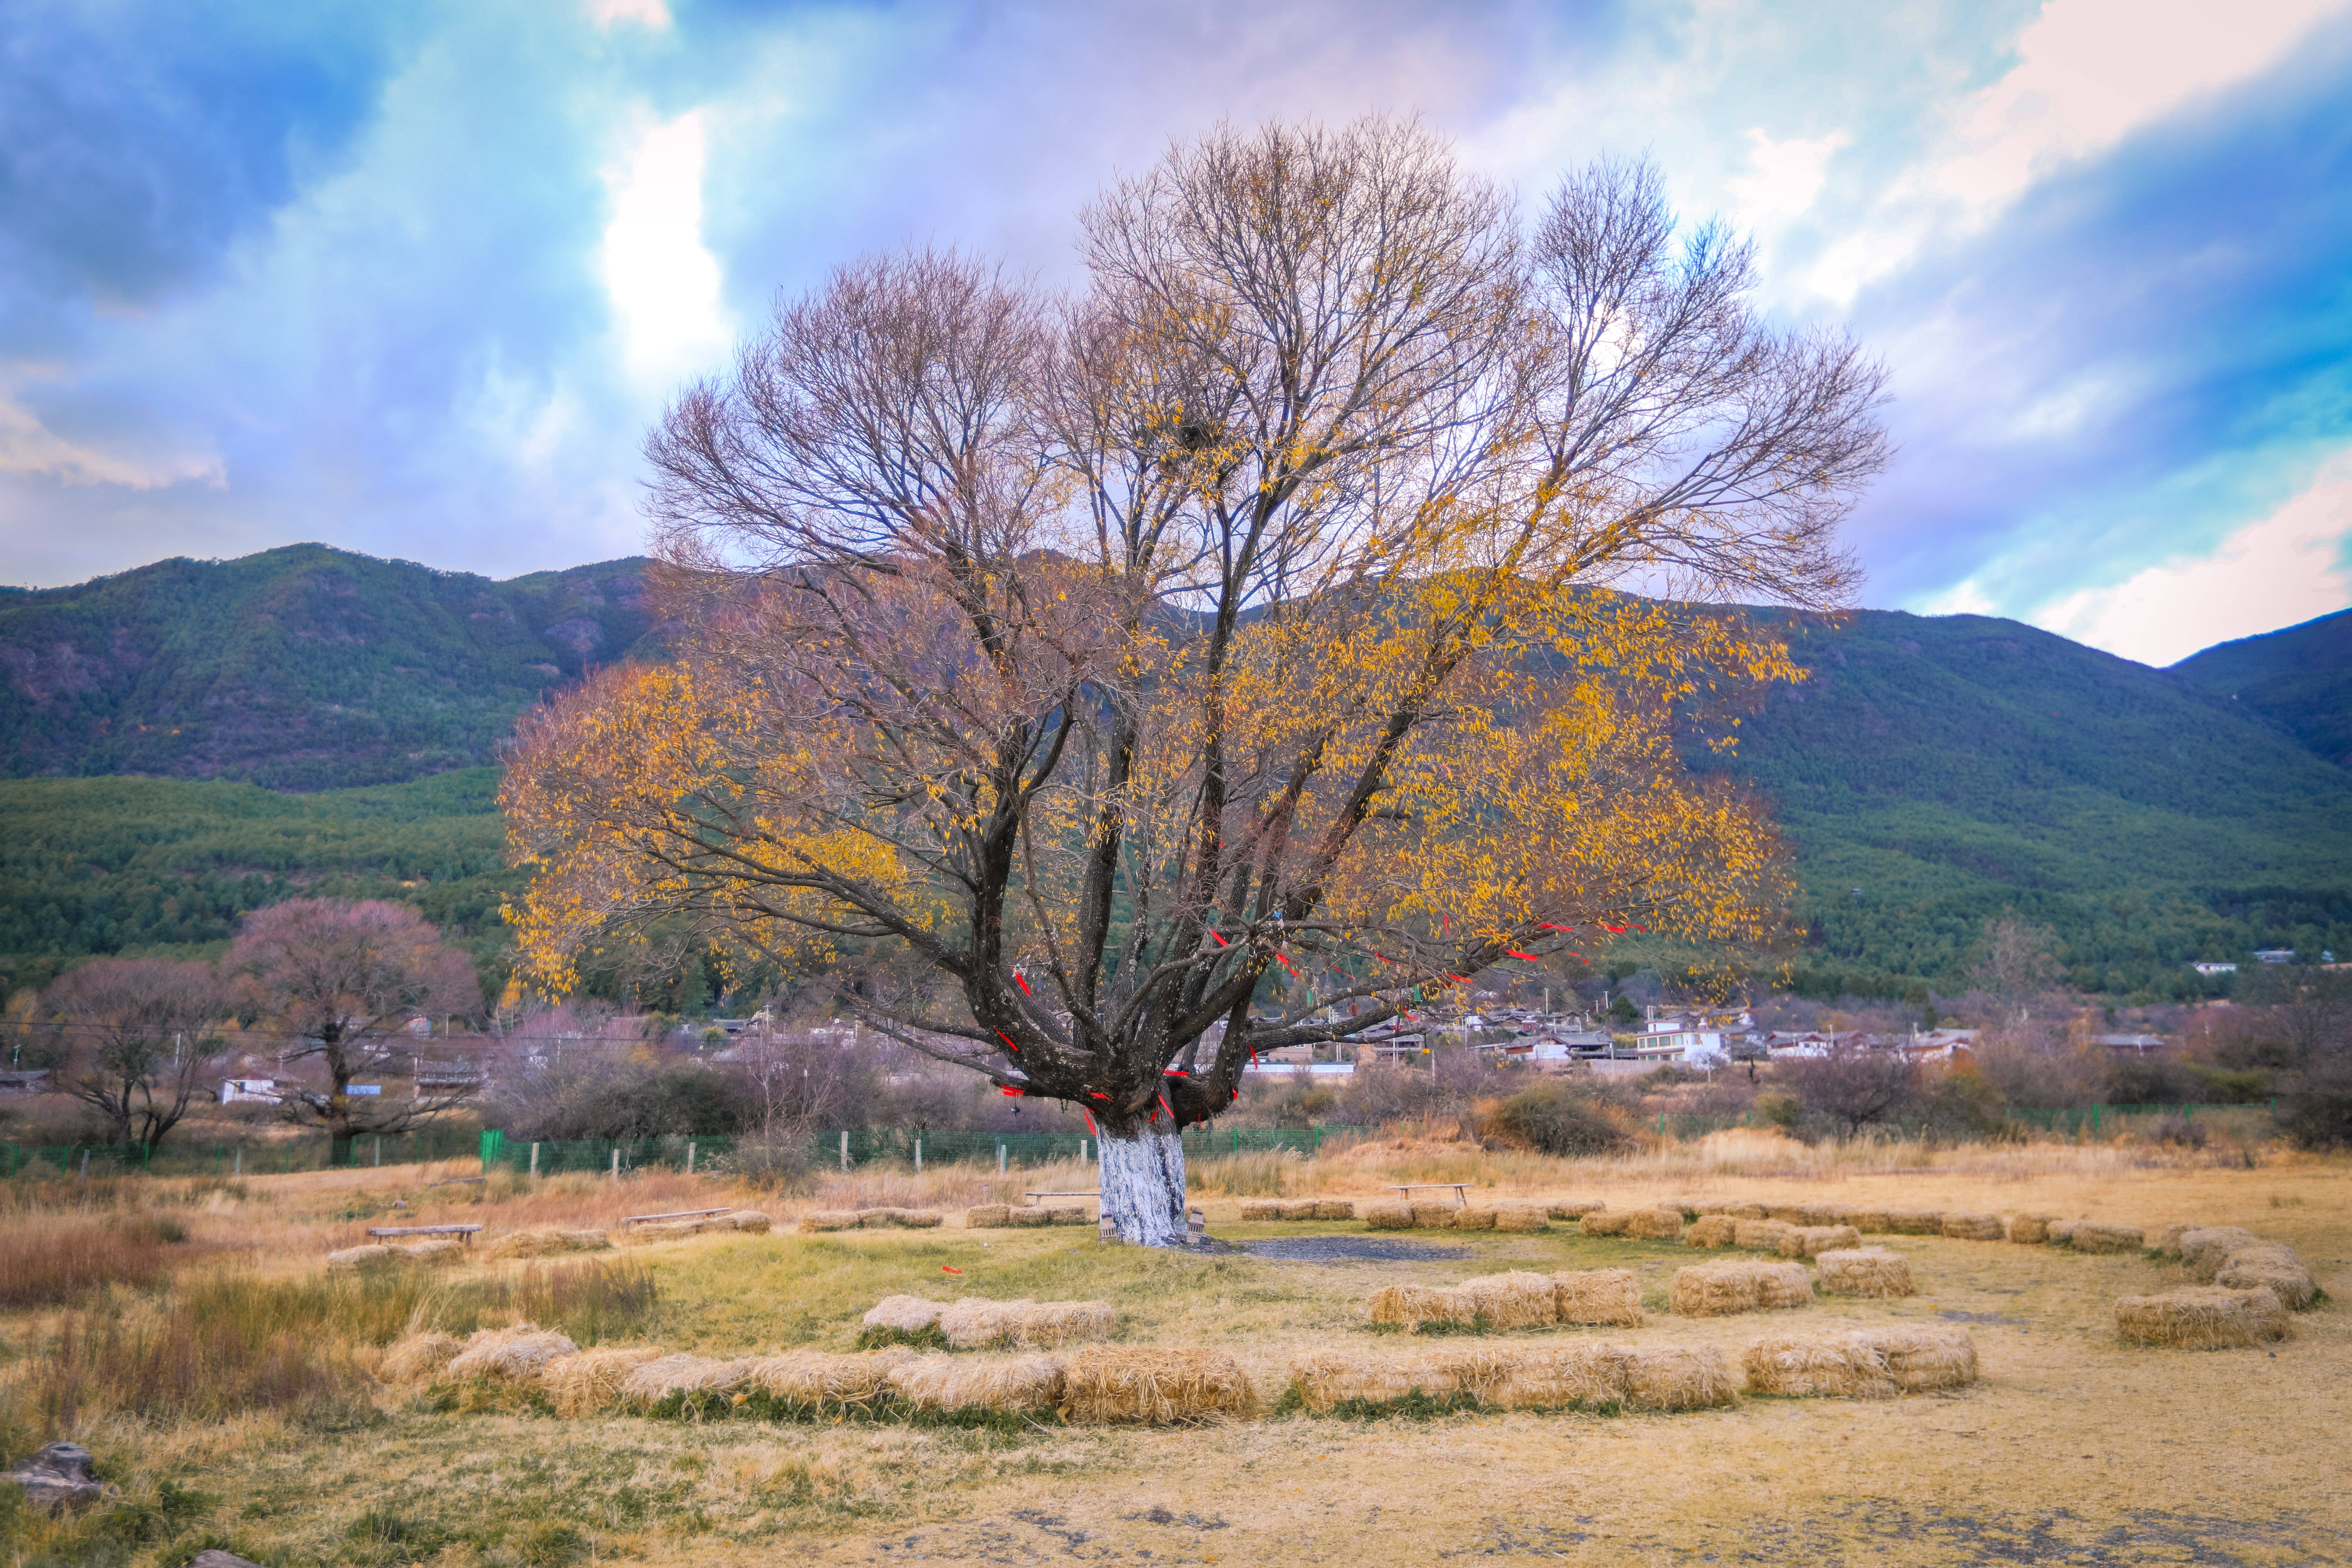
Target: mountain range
x,y
1932,772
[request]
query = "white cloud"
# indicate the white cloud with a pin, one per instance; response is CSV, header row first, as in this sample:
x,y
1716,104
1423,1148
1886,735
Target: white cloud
x,y
652,14
663,281
2088,74
1963,599
1783,179
30,447
2289,567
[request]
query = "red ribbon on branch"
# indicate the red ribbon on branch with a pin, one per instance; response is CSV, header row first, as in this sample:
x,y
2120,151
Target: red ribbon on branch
x,y
1023,984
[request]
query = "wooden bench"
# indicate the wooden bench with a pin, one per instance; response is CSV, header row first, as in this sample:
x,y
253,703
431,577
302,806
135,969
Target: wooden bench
x,y
1459,1189
682,1214
1034,1196
464,1231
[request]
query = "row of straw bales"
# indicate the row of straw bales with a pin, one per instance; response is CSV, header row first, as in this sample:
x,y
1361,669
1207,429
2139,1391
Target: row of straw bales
x,y
1563,1374
752,1221
975,1322
1515,1217
1513,1301
871,1219
1016,1217
2247,1287
1641,1225
1255,1210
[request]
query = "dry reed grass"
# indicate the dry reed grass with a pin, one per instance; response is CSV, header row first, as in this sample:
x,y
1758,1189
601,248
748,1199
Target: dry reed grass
x,y
508,1355
547,1241
1512,1300
1711,1230
1731,1285
583,1385
418,1358
1148,1386
2088,1237
1611,1296
1974,1227
904,1314
1870,1271
1005,1384
1813,1240
2201,1317
977,1323
48,1265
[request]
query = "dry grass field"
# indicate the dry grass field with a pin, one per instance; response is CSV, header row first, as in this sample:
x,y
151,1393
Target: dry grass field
x,y
224,1380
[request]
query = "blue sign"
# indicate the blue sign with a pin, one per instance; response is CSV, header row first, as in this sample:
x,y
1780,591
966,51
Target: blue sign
x,y
365,1089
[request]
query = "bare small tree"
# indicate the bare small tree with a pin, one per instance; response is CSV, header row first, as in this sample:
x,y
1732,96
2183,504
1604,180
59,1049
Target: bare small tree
x,y
1854,1085
2016,966
1108,686
339,983
137,1038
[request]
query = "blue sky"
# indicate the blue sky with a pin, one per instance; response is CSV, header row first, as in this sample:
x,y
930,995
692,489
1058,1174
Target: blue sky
x,y
414,278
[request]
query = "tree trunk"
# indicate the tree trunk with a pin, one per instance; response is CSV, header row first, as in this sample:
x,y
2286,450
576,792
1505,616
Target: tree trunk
x,y
1142,1183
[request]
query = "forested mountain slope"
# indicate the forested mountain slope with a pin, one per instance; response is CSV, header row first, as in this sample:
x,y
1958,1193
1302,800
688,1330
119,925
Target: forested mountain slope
x,y
2299,678
1935,771
302,667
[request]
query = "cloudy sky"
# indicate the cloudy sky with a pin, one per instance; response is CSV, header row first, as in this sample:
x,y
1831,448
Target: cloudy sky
x,y
412,280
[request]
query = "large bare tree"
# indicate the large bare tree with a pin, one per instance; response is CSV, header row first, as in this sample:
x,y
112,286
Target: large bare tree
x,y
139,1040
1112,686
339,983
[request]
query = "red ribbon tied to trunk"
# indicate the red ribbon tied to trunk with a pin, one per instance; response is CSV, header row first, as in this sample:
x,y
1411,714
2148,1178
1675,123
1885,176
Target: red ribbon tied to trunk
x,y
1021,981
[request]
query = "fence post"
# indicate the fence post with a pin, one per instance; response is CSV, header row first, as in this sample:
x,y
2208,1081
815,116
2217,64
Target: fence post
x,y
379,1153
2094,1117
919,1153
534,1159
238,1169
616,1162
999,1159
690,1156
845,1148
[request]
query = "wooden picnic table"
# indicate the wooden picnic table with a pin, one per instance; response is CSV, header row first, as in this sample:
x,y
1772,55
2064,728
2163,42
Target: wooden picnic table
x,y
1460,1190
682,1214
465,1230
1093,1194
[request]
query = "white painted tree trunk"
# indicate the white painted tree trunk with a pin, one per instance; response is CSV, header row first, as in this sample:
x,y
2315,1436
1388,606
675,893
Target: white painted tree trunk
x,y
1142,1178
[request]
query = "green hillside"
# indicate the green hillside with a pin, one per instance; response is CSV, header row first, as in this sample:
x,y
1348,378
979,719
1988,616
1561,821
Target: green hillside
x,y
2300,680
126,865
303,667
1939,771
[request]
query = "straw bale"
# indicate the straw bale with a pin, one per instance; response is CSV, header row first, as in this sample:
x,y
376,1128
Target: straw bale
x,y
2165,1243
1130,1385
1597,1296
1739,1211
815,1219
1605,1222
2201,1317
1417,1304
371,1253
1679,1377
826,1377
755,1221
1654,1225
1864,1271
1711,1230
1973,1227
1557,1375
1730,1284
1759,1234
1326,1378
2090,1237
1790,1214
419,1357
1335,1208
1257,1209
2273,1266
977,1323
511,1354
2063,1230
1388,1216
1835,1365
377,1254
1474,1219
903,1314
1923,1359
1513,1301
1068,1214
1301,1208
1029,1217
1573,1208
1869,1222
585,1383
908,1219
664,1375
2031,1229
1813,1240
1012,1384
1689,1209
676,1230
988,1216
1914,1222
547,1240
1521,1217
1434,1216
2206,1248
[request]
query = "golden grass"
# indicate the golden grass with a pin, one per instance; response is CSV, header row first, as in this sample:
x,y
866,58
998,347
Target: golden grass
x,y
546,1241
1611,1296
1869,1271
1731,1285
2201,1317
